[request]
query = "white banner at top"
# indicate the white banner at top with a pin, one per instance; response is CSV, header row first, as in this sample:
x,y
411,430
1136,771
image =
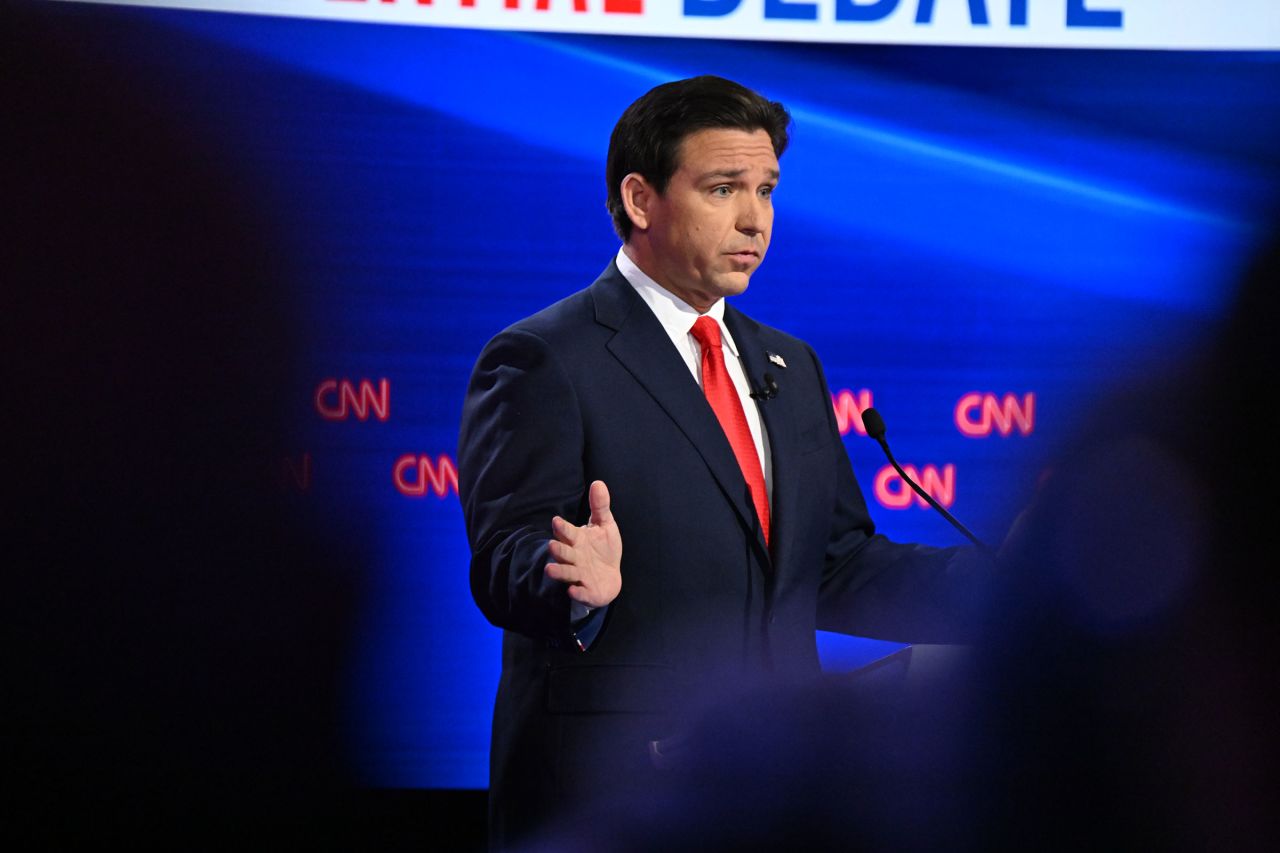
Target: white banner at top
x,y
1123,24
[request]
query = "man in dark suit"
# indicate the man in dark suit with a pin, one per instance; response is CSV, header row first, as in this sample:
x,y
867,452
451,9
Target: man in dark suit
x,y
644,410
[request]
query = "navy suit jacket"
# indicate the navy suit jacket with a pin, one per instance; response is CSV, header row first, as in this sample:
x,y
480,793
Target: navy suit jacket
x,y
591,388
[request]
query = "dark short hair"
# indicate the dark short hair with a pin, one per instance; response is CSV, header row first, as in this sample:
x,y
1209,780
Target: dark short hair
x,y
647,138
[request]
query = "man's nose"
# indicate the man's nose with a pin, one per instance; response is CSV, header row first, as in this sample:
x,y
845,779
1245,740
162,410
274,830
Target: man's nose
x,y
753,214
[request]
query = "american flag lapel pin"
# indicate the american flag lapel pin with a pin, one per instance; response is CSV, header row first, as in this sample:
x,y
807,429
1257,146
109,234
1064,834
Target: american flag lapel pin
x,y
776,359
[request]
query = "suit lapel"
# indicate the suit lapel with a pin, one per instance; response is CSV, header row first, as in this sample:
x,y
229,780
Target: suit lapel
x,y
643,348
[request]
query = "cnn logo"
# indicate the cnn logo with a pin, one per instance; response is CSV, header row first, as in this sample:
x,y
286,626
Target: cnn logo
x,y
339,399
978,415
895,493
415,475
849,408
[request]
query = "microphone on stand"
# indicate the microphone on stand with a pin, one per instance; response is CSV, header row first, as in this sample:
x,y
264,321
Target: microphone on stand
x,y
875,429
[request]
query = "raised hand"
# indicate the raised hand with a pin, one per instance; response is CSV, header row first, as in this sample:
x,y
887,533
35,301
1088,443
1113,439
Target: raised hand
x,y
588,558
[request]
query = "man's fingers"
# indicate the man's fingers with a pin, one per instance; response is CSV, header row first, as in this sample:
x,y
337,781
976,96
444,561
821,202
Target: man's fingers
x,y
562,573
598,497
564,531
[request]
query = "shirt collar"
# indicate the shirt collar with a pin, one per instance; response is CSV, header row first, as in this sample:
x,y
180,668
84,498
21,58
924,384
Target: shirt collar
x,y
675,315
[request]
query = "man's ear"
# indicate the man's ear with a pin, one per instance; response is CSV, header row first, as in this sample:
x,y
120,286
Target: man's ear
x,y
637,197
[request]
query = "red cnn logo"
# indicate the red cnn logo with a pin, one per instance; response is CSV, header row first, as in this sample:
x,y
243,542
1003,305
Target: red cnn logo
x,y
849,409
337,399
894,493
414,475
977,415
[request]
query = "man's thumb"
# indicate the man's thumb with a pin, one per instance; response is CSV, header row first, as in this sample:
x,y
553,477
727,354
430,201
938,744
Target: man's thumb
x,y
598,498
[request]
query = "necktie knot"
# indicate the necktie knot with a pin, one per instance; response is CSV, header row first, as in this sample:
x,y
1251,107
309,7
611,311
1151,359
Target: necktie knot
x,y
706,332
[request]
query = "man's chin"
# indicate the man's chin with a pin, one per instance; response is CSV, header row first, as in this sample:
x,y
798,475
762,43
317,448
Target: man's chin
x,y
732,284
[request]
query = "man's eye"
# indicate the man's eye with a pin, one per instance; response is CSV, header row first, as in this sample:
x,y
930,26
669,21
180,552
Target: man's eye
x,y
722,191
766,192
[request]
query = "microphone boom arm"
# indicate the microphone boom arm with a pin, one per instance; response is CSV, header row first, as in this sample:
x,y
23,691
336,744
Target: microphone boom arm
x,y
875,429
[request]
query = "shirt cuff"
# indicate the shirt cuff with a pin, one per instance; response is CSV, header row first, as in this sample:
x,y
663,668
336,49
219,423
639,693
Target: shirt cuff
x,y
585,624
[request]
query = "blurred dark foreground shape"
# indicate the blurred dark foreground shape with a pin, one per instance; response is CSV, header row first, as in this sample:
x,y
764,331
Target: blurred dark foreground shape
x,y
1122,694
176,623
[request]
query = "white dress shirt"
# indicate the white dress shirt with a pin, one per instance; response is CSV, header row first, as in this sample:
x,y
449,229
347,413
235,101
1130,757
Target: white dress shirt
x,y
677,318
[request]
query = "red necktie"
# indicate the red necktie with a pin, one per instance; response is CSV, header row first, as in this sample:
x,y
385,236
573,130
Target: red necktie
x,y
724,400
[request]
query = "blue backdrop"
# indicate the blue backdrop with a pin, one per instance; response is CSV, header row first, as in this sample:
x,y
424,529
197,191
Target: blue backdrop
x,y
950,220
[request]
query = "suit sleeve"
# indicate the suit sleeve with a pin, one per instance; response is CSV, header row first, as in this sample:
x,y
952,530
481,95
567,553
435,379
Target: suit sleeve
x,y
520,463
874,587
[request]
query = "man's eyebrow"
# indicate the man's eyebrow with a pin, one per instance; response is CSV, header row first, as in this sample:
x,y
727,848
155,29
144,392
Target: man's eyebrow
x,y
734,173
